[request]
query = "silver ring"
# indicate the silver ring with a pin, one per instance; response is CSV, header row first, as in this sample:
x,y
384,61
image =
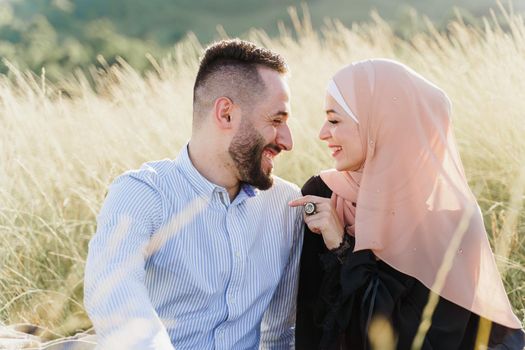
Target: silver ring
x,y
310,208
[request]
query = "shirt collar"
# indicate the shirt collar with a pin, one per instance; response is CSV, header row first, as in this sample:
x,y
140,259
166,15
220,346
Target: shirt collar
x,y
202,185
249,190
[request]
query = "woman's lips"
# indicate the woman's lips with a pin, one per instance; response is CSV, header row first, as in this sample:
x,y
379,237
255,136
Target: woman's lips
x,y
335,150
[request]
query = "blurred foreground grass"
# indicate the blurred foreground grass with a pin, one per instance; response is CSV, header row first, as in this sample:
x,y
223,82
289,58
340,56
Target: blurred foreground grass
x,y
62,144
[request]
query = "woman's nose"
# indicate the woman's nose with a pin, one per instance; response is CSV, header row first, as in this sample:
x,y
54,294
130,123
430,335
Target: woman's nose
x,y
324,134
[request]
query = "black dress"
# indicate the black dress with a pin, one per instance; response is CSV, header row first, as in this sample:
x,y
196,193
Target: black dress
x,y
337,301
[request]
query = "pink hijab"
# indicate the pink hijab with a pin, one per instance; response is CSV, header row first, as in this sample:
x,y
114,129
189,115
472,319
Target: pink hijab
x,y
411,193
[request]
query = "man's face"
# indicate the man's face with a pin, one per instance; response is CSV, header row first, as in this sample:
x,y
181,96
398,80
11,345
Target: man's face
x,y
264,133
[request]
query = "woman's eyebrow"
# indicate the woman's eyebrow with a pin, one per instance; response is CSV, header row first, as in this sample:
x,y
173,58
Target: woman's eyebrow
x,y
328,111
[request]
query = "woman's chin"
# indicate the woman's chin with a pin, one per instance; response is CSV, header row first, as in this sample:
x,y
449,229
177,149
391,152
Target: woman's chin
x,y
340,166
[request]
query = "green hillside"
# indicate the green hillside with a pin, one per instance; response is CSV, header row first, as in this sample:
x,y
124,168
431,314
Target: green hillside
x,y
63,34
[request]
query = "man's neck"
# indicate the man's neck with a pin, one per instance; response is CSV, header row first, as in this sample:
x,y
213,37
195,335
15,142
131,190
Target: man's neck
x,y
211,165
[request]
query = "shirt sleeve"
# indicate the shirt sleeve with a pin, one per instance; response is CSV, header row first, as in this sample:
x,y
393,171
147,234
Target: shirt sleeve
x,y
278,324
115,296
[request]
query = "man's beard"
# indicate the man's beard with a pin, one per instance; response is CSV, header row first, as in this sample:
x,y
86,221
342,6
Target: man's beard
x,y
246,151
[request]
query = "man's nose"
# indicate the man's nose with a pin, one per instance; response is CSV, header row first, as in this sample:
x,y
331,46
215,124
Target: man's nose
x,y
284,138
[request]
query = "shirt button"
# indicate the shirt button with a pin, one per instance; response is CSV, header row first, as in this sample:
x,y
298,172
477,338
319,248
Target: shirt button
x,y
238,254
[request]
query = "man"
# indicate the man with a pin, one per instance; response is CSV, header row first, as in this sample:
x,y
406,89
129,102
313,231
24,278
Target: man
x,y
201,252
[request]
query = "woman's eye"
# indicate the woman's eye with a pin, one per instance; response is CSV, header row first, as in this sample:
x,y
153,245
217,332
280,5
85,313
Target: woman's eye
x,y
333,121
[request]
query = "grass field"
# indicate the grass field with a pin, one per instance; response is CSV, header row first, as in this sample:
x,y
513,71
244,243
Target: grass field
x,y
62,144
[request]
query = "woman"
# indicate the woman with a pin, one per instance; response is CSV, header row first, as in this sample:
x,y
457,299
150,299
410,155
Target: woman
x,y
381,225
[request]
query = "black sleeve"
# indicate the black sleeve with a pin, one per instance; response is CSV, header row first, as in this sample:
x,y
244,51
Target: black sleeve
x,y
308,331
452,327
448,325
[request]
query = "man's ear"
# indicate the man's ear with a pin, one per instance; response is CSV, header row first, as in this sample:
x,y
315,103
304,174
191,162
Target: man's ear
x,y
222,112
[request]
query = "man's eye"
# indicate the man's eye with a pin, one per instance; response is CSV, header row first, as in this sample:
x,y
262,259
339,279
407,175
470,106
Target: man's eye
x,y
277,121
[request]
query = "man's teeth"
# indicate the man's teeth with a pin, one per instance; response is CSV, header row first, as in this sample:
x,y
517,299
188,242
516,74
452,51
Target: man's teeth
x,y
338,148
268,154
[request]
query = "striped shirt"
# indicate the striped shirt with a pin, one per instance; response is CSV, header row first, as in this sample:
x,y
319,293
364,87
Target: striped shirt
x,y
175,264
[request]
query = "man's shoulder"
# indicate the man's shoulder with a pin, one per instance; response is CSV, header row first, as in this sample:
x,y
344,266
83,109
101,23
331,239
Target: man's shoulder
x,y
283,188
282,183
152,173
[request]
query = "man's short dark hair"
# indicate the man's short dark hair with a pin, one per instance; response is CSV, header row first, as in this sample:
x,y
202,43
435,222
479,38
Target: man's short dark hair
x,y
229,68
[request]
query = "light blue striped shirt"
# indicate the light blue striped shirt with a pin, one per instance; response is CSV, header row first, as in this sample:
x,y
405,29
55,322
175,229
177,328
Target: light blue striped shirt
x,y
175,264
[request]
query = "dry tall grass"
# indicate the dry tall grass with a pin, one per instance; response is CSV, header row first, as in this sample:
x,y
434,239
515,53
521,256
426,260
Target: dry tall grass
x,y
59,153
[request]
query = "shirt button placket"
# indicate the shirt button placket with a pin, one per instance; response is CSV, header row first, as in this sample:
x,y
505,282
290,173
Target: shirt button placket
x,y
237,258
220,339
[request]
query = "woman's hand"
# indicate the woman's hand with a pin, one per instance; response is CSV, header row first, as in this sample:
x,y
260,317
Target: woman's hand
x,y
324,221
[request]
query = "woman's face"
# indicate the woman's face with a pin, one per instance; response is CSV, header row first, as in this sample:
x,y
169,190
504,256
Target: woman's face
x,y
342,135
